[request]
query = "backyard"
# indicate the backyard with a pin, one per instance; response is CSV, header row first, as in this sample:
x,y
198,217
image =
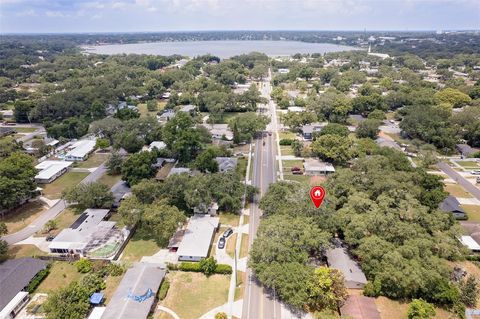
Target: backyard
x,y
54,189
392,309
193,294
109,180
138,247
23,216
94,160
61,275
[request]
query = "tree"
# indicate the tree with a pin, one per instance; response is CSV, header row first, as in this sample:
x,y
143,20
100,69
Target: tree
x,y
335,129
297,147
3,250
221,315
138,166
152,105
368,129
71,302
50,225
17,181
248,124
102,143
161,220
205,162
130,141
127,114
326,289
114,164
22,110
377,115
333,148
90,195
453,97
469,291
420,309
107,128
208,266
84,265
3,229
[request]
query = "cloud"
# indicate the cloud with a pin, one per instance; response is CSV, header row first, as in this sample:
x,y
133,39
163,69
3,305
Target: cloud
x,y
27,13
118,5
55,14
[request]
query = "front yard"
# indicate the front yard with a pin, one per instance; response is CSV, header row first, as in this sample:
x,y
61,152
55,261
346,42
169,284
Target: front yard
x,y
457,191
138,247
69,179
94,160
193,294
392,309
23,216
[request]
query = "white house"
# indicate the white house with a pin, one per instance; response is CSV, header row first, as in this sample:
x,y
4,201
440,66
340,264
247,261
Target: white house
x,y
51,170
80,150
219,131
470,243
198,237
315,167
158,145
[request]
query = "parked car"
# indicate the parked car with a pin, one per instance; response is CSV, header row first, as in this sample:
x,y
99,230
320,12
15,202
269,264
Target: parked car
x,y
478,180
221,243
300,172
227,233
50,238
475,172
295,168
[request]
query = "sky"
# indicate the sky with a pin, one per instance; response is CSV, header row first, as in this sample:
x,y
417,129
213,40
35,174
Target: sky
x,y
61,16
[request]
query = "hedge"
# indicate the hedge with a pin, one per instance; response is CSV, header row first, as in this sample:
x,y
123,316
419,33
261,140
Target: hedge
x,y
286,141
195,267
162,293
38,279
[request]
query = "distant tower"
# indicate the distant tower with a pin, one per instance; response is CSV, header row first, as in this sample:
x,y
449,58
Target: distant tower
x,y
369,48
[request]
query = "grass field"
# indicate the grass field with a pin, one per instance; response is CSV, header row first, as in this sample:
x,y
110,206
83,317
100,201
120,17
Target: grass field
x,y
286,135
468,164
244,246
138,247
23,216
144,112
298,178
109,180
391,309
231,243
473,212
457,191
242,166
193,294
61,274
229,219
93,160
54,189
286,150
64,220
25,129
19,251
240,289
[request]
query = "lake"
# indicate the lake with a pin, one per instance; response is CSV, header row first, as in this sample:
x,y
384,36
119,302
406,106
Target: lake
x,y
222,49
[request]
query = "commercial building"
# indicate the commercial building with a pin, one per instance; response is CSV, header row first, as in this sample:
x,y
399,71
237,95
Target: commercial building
x,y
51,170
15,275
80,150
90,236
197,238
135,295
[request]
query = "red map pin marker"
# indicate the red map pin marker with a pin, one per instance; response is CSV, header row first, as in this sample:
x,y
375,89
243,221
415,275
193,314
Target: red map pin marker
x,y
317,194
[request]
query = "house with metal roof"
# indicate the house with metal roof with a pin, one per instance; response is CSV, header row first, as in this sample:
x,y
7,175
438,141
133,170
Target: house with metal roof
x,y
166,116
226,164
452,205
220,131
48,171
15,275
197,237
190,109
80,150
159,145
339,258
309,129
470,243
90,236
315,167
135,295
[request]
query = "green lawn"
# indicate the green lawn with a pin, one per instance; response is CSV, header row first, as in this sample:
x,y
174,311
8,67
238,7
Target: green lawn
x,y
144,112
94,160
286,150
25,129
286,135
109,180
290,164
193,294
22,216
231,243
242,166
64,220
138,247
61,275
457,190
244,246
229,219
473,212
54,189
468,164
298,178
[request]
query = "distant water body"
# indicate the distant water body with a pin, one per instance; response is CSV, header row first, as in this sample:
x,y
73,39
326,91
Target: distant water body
x,y
222,49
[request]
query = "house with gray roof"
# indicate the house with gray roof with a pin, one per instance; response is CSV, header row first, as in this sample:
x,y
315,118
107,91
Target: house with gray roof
x,y
309,129
339,258
226,164
465,149
198,237
136,293
166,116
15,275
190,109
452,205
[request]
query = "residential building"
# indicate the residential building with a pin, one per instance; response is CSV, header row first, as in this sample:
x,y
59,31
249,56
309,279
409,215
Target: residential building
x,y
197,238
470,243
452,205
226,164
166,116
314,167
159,145
220,131
309,129
51,170
359,307
136,293
15,275
295,109
90,236
383,142
190,109
179,170
283,71
161,161
80,150
465,150
339,258
207,210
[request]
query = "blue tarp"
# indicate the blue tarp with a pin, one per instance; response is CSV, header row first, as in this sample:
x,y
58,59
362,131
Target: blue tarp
x,y
141,298
96,298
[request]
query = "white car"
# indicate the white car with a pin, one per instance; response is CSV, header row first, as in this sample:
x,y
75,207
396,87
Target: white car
x,y
476,172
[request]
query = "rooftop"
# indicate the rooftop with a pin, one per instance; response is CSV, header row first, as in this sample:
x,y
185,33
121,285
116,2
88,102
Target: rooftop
x,y
158,144
451,204
317,165
338,258
360,307
226,164
50,168
81,148
136,283
470,243
198,236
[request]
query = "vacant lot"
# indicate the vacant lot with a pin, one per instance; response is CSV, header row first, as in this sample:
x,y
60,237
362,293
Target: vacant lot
x,y
144,112
61,274
138,247
193,294
94,160
457,190
54,190
23,216
391,309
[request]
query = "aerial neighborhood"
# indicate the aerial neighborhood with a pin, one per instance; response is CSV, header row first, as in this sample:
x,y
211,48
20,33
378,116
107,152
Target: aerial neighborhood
x,y
175,186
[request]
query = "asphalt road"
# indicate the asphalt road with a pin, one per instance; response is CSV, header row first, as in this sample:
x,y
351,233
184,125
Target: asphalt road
x,y
257,302
49,214
472,189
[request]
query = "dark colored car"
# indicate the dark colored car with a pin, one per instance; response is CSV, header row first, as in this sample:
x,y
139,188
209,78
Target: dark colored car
x,y
227,233
49,238
221,243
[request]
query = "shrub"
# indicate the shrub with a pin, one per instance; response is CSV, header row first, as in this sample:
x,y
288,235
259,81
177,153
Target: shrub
x,y
171,266
38,279
208,266
286,141
115,269
221,315
162,293
187,266
84,265
223,269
